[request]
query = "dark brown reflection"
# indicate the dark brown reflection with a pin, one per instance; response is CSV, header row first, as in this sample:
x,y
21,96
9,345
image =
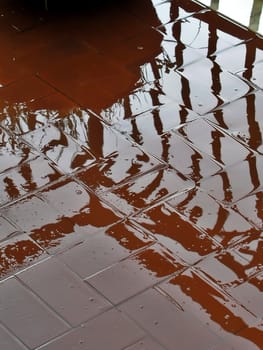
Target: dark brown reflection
x,y
60,148
209,304
243,120
224,187
89,131
145,191
17,253
223,224
158,261
82,215
175,233
20,119
13,152
136,103
129,236
251,207
187,160
69,230
27,178
51,235
122,164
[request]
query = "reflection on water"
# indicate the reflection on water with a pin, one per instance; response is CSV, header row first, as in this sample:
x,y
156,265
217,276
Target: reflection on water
x,y
250,14
165,181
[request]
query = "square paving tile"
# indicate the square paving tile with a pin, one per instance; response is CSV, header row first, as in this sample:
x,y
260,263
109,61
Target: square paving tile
x,y
147,190
216,310
167,323
223,224
136,273
177,234
28,317
9,342
77,302
118,332
130,177
105,249
59,148
17,253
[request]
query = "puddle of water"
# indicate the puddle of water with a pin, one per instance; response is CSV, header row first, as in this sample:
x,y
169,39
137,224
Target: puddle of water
x,y
133,153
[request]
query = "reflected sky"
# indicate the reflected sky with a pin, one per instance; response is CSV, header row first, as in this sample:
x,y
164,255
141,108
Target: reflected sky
x,y
249,14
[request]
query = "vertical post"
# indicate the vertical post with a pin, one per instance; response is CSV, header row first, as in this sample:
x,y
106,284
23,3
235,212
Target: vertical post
x,y
255,15
215,4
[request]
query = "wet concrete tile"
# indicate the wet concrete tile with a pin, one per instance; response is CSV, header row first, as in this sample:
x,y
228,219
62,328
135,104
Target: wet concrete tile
x,y
254,333
233,342
158,121
59,148
77,302
13,152
222,224
251,208
224,187
147,190
6,228
251,250
84,209
214,142
105,249
175,54
141,100
31,213
213,308
217,86
88,72
121,165
118,20
167,10
241,58
25,90
58,235
178,235
184,158
167,323
26,178
136,50
21,118
17,253
118,332
8,341
118,61
28,317
195,32
249,294
135,274
20,18
226,268
242,119
145,344
257,76
129,236
92,133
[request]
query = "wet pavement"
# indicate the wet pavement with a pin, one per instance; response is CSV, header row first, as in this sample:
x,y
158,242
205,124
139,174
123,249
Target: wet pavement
x,y
131,181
